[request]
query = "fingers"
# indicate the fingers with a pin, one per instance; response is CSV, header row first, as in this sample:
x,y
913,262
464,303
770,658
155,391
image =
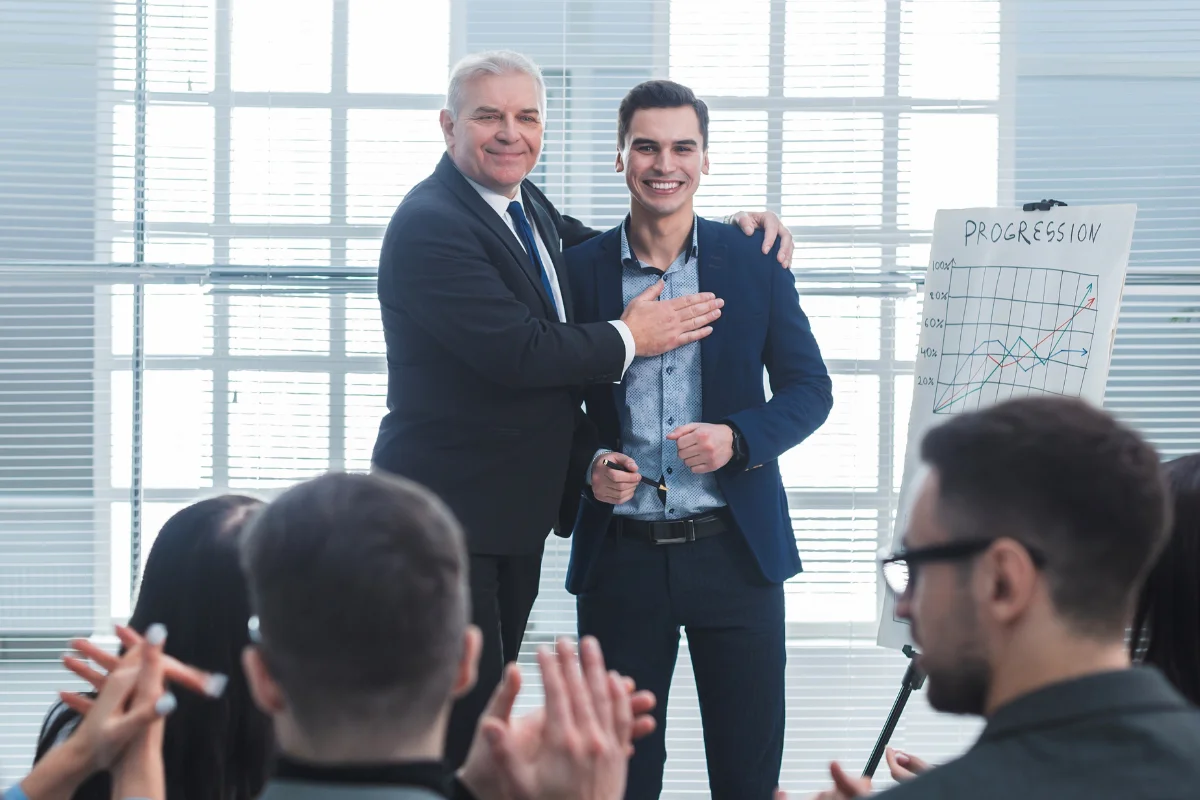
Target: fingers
x,y
105,659
688,337
849,786
503,699
643,702
787,248
770,226
902,766
652,293
621,460
693,305
76,702
597,679
682,431
619,478
621,705
80,668
209,684
580,697
558,708
150,701
699,316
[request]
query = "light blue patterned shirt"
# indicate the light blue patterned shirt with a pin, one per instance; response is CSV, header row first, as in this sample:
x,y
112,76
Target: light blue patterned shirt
x,y
661,394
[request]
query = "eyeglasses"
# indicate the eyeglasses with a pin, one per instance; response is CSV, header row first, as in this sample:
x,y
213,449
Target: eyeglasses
x,y
900,569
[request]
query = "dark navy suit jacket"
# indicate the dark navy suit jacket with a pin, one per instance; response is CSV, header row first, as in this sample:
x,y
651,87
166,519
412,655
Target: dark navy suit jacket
x,y
761,325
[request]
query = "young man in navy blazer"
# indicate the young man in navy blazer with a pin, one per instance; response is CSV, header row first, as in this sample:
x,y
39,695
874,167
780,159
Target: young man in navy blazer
x,y
711,552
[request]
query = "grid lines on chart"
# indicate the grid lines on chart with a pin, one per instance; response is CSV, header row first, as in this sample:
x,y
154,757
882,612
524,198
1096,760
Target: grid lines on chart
x,y
1013,331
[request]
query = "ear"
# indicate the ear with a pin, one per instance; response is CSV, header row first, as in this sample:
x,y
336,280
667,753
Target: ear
x,y
447,123
620,165
263,687
704,164
1009,581
468,665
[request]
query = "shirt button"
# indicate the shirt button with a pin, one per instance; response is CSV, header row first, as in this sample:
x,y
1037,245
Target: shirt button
x,y
670,420
670,370
669,470
670,511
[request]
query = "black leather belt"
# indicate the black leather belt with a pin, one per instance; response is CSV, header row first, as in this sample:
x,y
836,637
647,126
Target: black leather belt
x,y
676,531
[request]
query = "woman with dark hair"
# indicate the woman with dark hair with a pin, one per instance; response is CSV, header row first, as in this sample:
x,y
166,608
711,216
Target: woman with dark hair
x,y
1166,625
212,749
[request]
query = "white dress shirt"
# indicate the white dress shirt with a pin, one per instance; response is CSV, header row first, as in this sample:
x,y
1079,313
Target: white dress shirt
x,y
499,204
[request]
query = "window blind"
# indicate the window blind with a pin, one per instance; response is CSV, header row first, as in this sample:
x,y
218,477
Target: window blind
x,y
191,202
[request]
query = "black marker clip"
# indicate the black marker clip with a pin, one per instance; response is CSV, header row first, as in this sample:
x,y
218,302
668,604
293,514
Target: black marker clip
x,y
1044,205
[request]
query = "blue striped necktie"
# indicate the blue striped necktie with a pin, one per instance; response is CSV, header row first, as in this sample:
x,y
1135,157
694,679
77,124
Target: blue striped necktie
x,y
518,215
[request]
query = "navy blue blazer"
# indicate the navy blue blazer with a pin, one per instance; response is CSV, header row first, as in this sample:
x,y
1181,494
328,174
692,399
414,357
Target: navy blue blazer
x,y
761,325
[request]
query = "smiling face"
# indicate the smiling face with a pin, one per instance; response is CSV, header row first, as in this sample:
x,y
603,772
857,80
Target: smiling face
x,y
497,136
663,157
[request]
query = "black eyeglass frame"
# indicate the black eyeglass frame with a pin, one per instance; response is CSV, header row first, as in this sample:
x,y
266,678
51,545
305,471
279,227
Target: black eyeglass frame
x,y
950,551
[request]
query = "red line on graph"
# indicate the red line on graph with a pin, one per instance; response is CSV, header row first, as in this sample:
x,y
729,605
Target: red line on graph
x,y
967,385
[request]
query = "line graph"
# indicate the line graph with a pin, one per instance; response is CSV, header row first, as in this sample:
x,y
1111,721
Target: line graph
x,y
999,340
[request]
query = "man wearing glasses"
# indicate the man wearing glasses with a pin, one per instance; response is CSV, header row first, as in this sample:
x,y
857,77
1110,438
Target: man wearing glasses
x,y
1027,545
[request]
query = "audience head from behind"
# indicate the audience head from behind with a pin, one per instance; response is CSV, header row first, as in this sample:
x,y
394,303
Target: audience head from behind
x,y
1036,523
1166,626
359,587
215,749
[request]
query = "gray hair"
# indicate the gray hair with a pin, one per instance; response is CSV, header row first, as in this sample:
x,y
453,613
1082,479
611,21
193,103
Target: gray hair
x,y
491,62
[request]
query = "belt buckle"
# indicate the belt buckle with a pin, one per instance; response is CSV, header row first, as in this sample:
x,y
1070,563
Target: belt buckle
x,y
689,535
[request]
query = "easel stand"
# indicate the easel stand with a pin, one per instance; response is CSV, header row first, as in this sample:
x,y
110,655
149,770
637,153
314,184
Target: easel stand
x,y
913,679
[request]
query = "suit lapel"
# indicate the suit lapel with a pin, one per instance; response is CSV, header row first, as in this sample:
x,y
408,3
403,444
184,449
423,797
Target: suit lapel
x,y
549,234
713,276
449,175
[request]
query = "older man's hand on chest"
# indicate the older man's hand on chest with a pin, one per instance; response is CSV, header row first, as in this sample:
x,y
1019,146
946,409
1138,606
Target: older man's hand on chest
x,y
703,446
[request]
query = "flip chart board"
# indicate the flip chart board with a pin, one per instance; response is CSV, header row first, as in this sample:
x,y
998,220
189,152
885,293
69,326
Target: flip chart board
x,y
1015,304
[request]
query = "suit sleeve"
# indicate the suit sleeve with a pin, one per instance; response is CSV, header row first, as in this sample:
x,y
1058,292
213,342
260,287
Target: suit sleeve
x,y
444,281
802,393
584,444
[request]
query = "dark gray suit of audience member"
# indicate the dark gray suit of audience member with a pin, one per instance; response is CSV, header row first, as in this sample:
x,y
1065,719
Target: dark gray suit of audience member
x,y
413,780
1126,735
330,791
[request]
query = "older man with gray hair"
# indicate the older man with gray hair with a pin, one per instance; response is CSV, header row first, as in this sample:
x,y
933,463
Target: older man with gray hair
x,y
485,363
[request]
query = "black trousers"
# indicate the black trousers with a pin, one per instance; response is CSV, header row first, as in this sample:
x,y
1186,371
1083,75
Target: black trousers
x,y
503,589
640,595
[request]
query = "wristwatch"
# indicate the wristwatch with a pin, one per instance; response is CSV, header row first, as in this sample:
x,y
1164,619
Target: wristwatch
x,y
741,455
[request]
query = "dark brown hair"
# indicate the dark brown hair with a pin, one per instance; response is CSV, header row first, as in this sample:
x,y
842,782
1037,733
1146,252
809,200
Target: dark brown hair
x,y
659,94
359,584
1067,479
1166,625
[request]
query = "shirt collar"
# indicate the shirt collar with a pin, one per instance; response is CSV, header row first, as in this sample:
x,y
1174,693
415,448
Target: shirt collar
x,y
431,775
1105,693
494,199
627,258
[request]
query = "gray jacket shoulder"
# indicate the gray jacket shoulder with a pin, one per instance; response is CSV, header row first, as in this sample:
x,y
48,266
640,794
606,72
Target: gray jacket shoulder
x,y
297,790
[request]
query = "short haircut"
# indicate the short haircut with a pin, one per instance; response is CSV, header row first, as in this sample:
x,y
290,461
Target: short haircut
x,y
1065,478
1166,626
491,62
359,584
659,94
